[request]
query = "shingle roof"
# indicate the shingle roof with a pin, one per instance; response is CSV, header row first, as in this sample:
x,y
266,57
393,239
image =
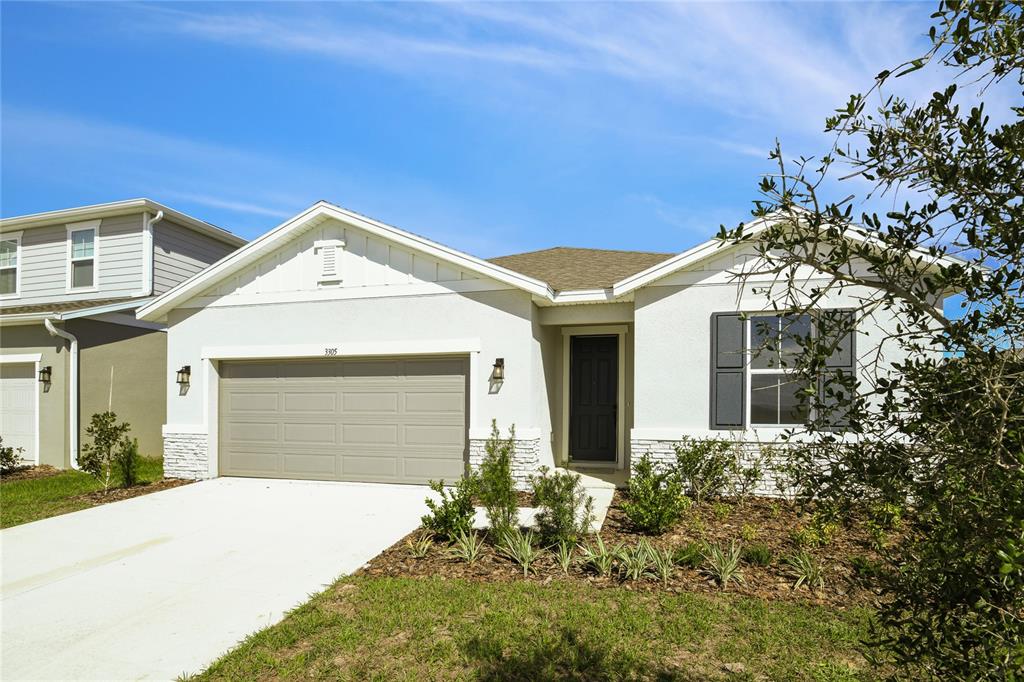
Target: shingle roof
x,y
566,268
60,307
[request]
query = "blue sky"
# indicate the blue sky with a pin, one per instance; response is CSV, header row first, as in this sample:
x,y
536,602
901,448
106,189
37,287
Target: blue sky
x,y
494,128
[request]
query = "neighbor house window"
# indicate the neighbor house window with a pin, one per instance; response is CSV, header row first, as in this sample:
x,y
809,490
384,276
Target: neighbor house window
x,y
83,258
10,248
774,388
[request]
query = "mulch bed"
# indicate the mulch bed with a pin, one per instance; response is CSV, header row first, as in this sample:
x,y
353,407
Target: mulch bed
x,y
117,494
26,473
763,521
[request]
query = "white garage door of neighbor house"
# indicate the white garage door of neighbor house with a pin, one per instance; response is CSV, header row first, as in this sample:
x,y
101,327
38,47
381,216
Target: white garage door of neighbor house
x,y
381,420
18,404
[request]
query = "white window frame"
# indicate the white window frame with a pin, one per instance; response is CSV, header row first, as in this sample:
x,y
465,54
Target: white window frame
x,y
15,237
93,225
752,371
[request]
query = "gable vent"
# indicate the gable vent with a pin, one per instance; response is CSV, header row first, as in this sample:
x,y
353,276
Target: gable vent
x,y
330,260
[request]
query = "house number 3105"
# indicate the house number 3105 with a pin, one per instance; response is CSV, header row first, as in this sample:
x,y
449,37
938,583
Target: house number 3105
x,y
330,351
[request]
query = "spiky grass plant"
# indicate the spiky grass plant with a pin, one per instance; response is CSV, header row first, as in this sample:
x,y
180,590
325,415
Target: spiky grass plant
x,y
518,546
722,564
806,570
599,557
420,545
467,546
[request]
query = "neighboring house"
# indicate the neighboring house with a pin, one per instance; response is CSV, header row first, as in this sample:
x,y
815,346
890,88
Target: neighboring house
x,y
70,344
337,347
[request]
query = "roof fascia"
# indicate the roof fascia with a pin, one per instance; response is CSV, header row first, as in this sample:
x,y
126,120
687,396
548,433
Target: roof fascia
x,y
116,208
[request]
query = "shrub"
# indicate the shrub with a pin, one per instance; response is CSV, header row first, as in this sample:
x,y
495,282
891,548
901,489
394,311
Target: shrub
x,y
656,500
748,532
565,510
806,570
690,555
599,557
126,460
636,563
757,555
866,568
10,456
98,457
721,510
722,564
453,514
704,465
467,547
818,532
518,546
496,487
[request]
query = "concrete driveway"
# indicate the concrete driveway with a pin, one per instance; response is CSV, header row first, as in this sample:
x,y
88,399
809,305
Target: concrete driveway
x,y
163,584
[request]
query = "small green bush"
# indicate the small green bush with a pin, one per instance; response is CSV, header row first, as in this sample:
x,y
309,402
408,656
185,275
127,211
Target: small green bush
x,y
690,555
126,460
864,567
453,514
495,486
656,501
99,457
10,456
705,465
564,509
757,555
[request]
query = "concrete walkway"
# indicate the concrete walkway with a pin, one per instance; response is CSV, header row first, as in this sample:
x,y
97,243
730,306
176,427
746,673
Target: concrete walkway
x,y
163,584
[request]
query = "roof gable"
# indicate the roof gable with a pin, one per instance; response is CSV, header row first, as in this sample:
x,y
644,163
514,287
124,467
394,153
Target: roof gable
x,y
285,260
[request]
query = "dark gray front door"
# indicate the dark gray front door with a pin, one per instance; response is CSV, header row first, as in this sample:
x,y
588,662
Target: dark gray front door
x,y
593,398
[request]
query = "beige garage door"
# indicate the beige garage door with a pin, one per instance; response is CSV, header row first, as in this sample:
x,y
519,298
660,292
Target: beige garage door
x,y
18,398
394,420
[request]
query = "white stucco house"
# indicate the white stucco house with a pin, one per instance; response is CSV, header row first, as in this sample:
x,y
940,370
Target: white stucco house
x,y
337,347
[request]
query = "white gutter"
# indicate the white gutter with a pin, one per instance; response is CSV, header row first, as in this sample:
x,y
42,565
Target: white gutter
x,y
72,388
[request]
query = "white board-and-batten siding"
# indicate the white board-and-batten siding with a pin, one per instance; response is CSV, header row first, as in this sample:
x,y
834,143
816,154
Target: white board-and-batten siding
x,y
363,261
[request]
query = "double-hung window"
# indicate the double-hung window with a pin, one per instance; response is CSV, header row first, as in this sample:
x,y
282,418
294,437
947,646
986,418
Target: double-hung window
x,y
82,258
753,382
774,388
10,251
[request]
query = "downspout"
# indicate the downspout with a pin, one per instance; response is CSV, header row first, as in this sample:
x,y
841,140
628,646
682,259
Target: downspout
x,y
72,387
148,246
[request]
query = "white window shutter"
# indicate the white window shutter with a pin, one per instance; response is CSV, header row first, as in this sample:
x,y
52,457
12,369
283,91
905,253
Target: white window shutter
x,y
330,260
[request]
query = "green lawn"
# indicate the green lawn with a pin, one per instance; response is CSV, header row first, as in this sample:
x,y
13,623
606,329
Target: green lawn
x,y
39,498
412,629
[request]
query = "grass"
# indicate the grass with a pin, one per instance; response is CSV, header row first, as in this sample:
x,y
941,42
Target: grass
x,y
409,628
40,498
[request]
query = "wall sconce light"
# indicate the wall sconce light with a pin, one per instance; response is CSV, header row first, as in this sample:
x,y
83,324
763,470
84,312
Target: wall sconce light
x,y
45,374
184,374
499,370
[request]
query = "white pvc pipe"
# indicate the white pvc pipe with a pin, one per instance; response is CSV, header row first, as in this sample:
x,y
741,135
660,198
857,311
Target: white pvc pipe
x,y
72,387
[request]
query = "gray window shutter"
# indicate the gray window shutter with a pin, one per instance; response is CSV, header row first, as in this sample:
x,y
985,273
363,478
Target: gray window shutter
x,y
728,390
842,362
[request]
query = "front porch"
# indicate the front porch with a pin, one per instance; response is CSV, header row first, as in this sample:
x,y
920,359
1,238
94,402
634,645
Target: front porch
x,y
587,353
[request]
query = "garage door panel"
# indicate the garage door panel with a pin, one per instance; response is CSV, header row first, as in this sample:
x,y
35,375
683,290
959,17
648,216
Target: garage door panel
x,y
18,397
251,431
369,468
238,402
303,434
365,419
433,469
315,465
370,434
354,401
248,463
434,401
434,435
